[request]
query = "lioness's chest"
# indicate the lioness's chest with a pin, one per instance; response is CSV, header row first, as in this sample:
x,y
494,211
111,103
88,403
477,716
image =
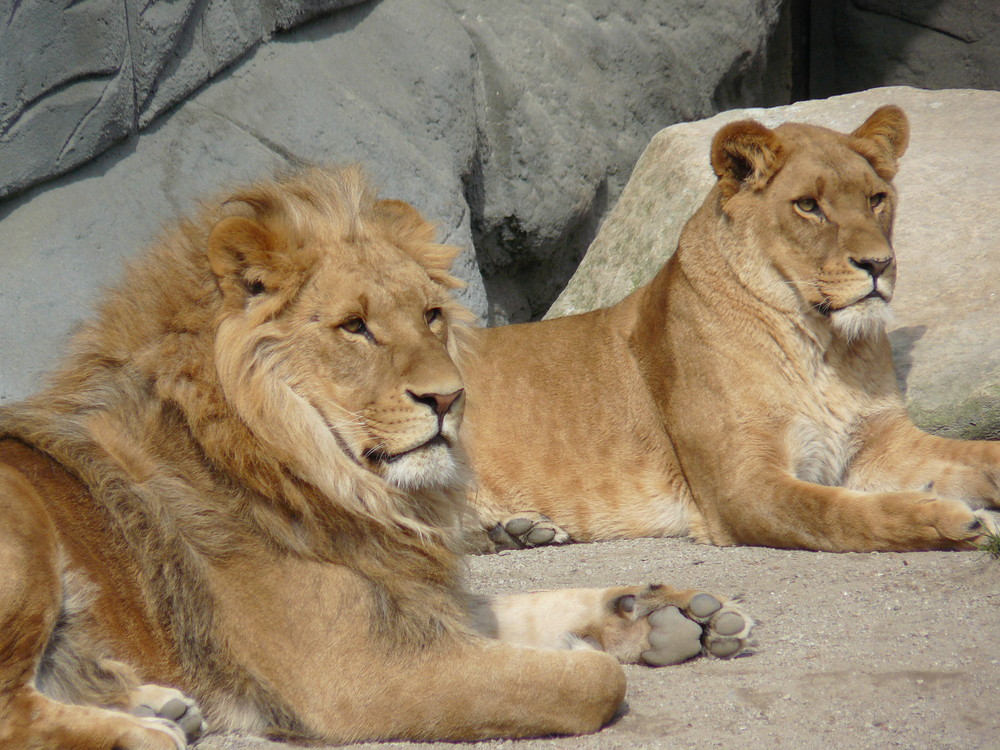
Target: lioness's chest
x,y
822,436
820,451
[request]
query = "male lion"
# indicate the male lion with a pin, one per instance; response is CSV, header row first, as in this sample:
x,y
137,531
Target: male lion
x,y
245,484
744,396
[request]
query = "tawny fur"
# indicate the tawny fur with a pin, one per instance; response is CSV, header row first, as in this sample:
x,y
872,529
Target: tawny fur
x,y
246,482
746,395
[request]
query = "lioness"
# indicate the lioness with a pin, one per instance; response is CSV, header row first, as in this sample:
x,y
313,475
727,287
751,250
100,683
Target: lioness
x,y
245,483
744,396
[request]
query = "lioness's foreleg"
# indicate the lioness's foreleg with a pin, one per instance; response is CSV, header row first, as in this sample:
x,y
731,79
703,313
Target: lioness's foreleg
x,y
774,509
30,603
655,625
897,455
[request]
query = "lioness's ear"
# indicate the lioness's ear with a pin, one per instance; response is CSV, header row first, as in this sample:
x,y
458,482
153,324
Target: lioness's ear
x,y
882,139
745,153
238,250
888,127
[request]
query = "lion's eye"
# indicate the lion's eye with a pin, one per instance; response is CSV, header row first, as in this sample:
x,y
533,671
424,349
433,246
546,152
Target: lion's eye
x,y
808,208
433,315
354,325
876,200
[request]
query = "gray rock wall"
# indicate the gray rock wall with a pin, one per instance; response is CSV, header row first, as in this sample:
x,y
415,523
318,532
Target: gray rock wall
x,y
570,94
513,123
933,44
77,77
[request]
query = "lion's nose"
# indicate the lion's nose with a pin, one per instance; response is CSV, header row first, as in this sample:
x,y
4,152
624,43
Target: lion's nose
x,y
440,403
874,266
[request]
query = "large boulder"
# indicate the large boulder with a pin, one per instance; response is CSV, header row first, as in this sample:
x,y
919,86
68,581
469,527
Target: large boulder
x,y
509,123
947,301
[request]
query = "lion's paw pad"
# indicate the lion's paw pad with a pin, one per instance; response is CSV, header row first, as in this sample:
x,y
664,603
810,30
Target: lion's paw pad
x,y
158,702
727,632
673,637
528,530
708,626
704,605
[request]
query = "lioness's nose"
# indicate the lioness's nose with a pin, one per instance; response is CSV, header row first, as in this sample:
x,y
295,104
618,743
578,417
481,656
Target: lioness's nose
x,y
874,266
440,403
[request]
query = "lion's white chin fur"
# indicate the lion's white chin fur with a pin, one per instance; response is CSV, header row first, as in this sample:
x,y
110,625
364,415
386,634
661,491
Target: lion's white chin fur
x,y
863,319
433,466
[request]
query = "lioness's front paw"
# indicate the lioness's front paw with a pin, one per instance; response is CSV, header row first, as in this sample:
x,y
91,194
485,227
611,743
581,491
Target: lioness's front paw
x,y
961,526
528,529
987,525
685,624
159,703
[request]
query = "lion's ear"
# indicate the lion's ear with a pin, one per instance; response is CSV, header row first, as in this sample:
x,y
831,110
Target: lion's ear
x,y
415,235
405,221
240,250
745,153
889,127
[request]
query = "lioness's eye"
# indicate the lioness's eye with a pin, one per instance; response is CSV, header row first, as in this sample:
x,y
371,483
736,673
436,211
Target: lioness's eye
x,y
876,200
432,315
354,325
806,204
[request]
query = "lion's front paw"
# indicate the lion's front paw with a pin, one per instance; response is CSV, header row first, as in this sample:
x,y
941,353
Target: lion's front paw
x,y
683,625
159,703
528,529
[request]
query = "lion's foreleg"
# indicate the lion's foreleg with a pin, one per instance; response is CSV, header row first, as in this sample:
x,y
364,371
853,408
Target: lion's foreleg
x,y
463,688
656,625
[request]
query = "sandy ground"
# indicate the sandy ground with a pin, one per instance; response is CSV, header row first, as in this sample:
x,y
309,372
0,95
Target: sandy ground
x,y
853,650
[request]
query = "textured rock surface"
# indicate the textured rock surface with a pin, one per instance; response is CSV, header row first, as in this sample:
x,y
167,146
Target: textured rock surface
x,y
516,124
947,301
934,44
76,77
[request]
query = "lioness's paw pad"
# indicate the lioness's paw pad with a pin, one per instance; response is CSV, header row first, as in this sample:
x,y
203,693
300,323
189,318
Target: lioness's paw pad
x,y
708,625
162,703
528,530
